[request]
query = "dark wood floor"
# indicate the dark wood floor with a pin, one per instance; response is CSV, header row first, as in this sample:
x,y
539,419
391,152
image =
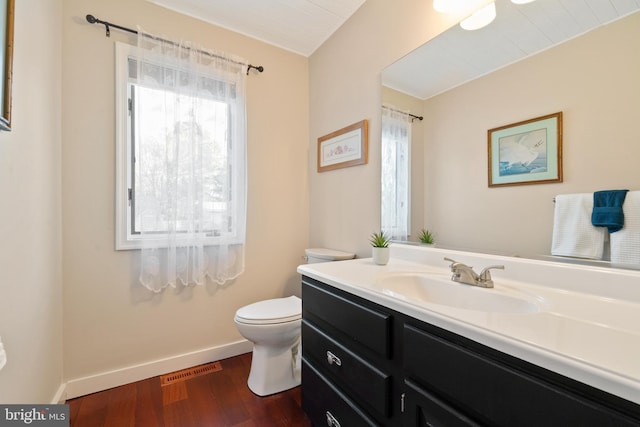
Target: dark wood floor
x,y
217,399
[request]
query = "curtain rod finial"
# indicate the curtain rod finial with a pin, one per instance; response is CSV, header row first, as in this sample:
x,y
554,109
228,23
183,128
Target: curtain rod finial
x,y
91,19
260,68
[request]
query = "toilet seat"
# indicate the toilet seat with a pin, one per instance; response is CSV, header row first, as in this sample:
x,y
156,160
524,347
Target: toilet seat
x,y
277,310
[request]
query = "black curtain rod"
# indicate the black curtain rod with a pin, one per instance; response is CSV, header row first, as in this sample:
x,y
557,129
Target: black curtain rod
x,y
413,116
107,26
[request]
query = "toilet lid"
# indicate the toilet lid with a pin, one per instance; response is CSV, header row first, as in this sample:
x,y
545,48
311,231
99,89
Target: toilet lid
x,y
329,254
278,310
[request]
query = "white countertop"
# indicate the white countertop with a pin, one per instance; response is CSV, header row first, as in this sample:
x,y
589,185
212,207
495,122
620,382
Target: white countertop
x,y
587,327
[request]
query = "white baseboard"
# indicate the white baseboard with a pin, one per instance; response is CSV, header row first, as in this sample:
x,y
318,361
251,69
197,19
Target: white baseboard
x,y
60,396
98,382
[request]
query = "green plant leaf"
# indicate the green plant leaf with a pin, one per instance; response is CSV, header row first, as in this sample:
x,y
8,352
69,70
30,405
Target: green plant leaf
x,y
379,240
426,236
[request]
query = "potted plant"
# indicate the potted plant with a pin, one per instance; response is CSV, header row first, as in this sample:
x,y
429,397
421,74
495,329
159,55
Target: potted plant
x,y
380,250
426,237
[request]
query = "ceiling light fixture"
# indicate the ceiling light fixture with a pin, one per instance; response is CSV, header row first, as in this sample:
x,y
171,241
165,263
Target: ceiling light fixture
x,y
480,18
521,1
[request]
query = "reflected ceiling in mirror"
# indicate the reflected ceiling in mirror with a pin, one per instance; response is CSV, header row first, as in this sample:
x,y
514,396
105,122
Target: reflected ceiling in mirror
x,y
458,56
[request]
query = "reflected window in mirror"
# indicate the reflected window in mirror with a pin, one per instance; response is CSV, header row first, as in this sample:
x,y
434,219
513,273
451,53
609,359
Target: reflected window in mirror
x,y
396,151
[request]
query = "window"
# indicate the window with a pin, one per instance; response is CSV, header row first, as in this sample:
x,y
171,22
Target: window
x,y
395,173
152,116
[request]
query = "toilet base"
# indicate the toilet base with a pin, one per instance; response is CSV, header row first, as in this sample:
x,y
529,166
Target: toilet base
x,y
274,370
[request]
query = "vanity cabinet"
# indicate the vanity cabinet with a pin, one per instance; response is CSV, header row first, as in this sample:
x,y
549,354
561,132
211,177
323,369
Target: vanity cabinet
x,y
423,408
368,365
347,357
492,388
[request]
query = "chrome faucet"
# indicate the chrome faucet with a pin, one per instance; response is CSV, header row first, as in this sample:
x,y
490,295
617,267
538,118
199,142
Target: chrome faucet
x,y
462,273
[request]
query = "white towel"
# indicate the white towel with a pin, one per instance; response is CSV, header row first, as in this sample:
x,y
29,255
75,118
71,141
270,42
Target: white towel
x,y
573,233
625,244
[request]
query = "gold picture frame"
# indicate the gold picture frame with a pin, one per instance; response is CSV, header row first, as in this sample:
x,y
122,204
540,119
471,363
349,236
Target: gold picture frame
x,y
527,152
345,147
6,41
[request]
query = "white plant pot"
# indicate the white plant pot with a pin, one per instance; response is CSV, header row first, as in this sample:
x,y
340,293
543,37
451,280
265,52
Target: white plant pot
x,y
380,255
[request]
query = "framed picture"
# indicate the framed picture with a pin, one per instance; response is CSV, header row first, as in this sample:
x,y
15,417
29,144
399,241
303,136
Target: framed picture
x,y
343,148
6,44
528,152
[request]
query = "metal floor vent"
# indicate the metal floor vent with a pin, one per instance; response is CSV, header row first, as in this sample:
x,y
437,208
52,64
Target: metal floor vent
x,y
189,373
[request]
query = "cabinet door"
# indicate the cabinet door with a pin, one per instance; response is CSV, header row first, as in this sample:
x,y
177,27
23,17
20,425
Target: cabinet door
x,y
325,405
494,391
422,409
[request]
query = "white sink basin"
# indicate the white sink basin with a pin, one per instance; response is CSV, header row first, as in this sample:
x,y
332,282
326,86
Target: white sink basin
x,y
420,288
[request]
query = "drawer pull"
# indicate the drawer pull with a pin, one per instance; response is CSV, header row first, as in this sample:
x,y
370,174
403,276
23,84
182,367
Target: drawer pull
x,y
332,358
331,420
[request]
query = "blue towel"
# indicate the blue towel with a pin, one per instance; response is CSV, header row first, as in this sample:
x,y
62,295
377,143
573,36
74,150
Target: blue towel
x,y
607,209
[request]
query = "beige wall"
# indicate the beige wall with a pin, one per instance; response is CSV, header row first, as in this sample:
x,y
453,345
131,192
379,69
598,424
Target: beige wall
x,y
30,224
344,85
109,321
593,80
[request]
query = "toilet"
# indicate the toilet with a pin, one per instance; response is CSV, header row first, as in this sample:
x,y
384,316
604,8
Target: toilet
x,y
273,326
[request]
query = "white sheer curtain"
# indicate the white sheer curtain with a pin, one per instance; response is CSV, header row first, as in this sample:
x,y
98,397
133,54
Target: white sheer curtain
x,y
396,137
190,163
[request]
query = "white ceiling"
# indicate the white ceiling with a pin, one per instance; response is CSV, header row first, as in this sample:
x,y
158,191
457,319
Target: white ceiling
x,y
458,56
453,58
299,26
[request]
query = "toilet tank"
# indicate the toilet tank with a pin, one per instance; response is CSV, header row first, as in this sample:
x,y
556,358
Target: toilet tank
x,y
325,255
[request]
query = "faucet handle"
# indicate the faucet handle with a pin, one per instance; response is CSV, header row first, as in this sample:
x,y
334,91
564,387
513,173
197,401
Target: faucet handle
x,y
485,275
457,264
453,262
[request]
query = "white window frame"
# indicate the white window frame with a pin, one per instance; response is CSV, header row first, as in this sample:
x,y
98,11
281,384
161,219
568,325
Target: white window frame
x,y
125,239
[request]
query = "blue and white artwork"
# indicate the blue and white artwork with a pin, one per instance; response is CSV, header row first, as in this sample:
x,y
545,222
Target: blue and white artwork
x,y
523,153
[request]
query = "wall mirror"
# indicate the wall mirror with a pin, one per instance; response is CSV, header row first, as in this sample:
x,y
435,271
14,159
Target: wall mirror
x,y
579,57
6,43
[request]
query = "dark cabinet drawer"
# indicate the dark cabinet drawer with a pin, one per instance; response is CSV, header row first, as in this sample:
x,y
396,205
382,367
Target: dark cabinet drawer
x,y
493,391
348,371
357,321
423,409
325,405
